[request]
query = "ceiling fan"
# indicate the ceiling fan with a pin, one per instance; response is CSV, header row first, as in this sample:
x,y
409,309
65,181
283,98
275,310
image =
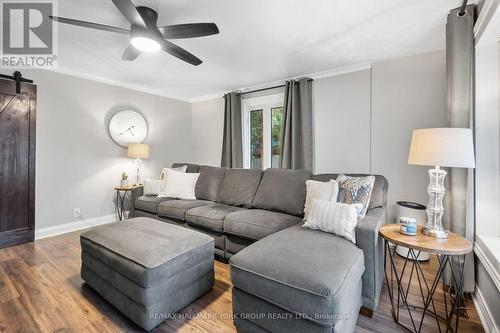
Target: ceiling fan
x,y
146,36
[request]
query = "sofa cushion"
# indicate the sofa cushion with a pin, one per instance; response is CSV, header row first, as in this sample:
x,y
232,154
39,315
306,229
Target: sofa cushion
x,y
191,168
282,190
309,277
235,244
176,209
239,186
379,191
209,182
149,203
210,217
256,224
219,238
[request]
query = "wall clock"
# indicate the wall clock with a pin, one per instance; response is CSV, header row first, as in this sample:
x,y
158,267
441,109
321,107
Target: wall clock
x,y
126,127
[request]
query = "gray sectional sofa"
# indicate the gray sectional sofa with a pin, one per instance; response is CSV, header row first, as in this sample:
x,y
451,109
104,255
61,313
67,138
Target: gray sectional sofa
x,y
287,269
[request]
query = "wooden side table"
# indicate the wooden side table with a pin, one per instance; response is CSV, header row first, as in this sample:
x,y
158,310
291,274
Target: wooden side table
x,y
451,252
124,200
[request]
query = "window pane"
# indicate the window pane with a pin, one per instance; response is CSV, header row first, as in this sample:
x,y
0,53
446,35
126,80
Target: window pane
x,y
256,139
277,115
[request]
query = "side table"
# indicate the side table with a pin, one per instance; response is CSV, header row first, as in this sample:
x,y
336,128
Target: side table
x,y
124,200
451,253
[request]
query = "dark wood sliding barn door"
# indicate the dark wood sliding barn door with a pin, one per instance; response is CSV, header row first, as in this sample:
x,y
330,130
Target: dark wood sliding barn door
x,y
17,162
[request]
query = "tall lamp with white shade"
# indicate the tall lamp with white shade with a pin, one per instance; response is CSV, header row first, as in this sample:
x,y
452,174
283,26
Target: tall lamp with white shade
x,y
440,147
138,151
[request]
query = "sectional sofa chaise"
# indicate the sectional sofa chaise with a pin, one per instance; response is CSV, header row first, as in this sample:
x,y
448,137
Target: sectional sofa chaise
x,y
276,265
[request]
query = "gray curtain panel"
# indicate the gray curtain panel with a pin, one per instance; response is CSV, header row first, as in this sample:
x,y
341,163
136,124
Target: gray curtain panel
x,y
460,76
232,147
296,129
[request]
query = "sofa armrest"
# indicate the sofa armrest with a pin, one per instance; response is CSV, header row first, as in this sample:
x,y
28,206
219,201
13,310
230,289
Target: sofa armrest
x,y
368,240
137,192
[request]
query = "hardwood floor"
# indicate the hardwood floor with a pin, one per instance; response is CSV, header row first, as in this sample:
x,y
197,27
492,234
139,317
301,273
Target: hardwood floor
x,y
41,291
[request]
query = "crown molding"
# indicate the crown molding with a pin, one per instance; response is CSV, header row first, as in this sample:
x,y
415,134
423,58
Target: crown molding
x,y
314,76
147,90
485,27
131,86
340,71
207,97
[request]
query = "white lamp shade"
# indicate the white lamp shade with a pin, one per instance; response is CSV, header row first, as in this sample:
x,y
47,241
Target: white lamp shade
x,y
446,147
138,150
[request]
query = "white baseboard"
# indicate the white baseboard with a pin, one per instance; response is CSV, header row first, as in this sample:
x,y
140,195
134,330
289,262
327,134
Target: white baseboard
x,y
484,313
73,226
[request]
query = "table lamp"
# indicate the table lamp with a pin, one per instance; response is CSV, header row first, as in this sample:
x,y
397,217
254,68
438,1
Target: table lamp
x,y
138,151
440,147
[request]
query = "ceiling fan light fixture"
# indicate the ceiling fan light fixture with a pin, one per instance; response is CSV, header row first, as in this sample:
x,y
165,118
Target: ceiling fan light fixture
x,y
145,44
145,35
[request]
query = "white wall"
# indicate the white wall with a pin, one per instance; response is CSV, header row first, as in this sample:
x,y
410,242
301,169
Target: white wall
x,y
487,174
487,141
407,93
77,164
207,129
362,122
341,107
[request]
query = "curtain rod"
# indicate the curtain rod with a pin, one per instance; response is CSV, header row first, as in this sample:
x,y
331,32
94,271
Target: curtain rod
x,y
269,88
462,8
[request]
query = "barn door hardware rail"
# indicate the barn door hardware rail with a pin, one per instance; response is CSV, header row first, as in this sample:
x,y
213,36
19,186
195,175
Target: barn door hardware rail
x,y
18,77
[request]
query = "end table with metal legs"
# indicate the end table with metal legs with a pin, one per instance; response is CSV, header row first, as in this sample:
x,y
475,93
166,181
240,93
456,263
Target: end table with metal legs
x,y
125,198
451,255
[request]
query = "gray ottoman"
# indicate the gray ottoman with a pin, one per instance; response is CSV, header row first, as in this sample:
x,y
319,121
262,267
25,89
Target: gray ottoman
x,y
146,268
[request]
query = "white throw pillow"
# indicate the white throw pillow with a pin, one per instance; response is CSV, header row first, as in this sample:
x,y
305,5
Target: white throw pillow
x,y
333,217
152,186
180,169
320,190
179,185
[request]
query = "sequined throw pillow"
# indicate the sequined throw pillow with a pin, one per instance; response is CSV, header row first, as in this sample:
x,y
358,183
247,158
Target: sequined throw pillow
x,y
355,190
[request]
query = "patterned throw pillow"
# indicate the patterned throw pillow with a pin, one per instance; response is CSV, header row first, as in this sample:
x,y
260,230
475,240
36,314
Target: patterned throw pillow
x,y
356,190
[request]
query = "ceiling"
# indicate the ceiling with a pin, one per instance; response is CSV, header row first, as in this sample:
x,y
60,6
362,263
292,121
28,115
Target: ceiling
x,y
259,41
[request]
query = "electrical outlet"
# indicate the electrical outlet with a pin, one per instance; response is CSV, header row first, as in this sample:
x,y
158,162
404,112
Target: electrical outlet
x,y
77,212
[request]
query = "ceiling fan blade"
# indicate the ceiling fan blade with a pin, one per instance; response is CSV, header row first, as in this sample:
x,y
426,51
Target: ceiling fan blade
x,y
131,53
91,25
190,30
180,53
130,12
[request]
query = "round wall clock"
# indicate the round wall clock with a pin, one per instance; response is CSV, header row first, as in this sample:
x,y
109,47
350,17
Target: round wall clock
x,y
126,127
